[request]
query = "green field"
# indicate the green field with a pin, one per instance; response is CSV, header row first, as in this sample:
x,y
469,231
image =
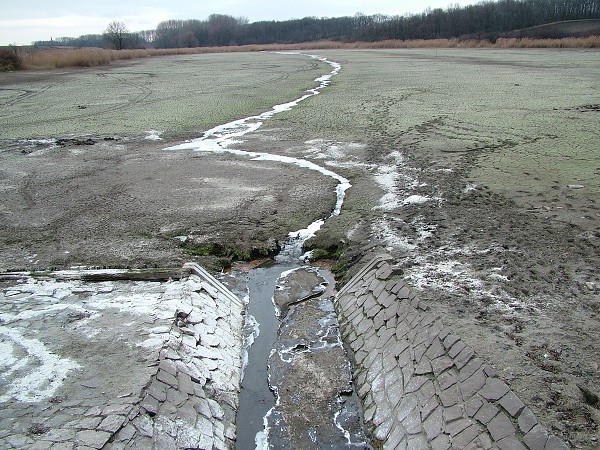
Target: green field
x,y
177,95
523,122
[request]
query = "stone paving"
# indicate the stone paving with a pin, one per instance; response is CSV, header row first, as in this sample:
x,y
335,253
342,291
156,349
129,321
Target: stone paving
x,y
119,365
421,386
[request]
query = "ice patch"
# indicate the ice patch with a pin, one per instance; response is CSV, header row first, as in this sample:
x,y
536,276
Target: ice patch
x,y
415,200
469,188
383,232
44,370
153,135
251,332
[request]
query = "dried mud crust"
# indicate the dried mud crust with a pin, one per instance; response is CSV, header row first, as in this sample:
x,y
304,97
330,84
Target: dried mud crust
x,y
124,203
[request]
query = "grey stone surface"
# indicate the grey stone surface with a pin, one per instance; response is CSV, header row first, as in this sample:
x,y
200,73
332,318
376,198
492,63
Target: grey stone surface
x,y
421,386
176,388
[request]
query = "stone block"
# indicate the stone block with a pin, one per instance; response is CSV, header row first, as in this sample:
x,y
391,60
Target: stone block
x,y
418,442
176,397
486,413
442,442
423,368
403,355
187,413
526,420
463,358
490,371
384,272
387,300
554,443
215,409
426,392
112,423
373,311
394,394
369,412
399,285
510,443
435,350
166,378
168,366
447,379
87,423
450,340
92,438
143,425
403,292
150,404
428,407
126,433
383,430
512,404
456,348
458,426
450,396
158,390
466,436
396,439
419,351
202,407
453,413
414,384
500,427
473,405
412,423
407,405
433,424
39,445
469,387
470,368
391,322
494,389
379,319
60,434
441,364
185,383
537,438
377,288
167,409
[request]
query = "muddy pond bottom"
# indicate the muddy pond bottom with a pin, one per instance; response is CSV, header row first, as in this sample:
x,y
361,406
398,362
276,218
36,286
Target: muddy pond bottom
x,y
297,390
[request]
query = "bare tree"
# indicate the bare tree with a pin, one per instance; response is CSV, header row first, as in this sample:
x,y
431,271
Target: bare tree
x,y
116,35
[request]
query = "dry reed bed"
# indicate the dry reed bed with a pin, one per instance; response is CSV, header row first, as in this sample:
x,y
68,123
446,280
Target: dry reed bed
x,y
50,58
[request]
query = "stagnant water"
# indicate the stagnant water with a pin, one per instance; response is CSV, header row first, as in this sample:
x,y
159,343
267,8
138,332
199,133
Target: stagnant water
x,y
256,398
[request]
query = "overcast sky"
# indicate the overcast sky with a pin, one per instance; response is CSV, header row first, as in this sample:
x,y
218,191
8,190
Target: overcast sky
x,y
25,21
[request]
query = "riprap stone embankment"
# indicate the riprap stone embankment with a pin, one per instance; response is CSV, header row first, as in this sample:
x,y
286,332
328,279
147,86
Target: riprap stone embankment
x,y
120,364
421,386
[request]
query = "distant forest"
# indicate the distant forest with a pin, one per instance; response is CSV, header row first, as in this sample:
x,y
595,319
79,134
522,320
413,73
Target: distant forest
x,y
485,20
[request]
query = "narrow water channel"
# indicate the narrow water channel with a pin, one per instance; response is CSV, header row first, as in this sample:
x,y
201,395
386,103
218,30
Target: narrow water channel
x,y
257,400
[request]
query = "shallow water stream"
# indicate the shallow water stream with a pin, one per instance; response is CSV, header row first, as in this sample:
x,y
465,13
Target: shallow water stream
x,y
284,349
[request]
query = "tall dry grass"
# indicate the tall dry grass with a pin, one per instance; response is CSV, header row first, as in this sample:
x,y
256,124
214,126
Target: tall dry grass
x,y
61,57
586,42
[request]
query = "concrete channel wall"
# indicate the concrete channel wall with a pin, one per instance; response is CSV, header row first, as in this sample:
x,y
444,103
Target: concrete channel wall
x,y
420,385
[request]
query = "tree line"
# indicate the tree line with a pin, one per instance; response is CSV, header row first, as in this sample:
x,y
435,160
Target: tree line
x,y
484,20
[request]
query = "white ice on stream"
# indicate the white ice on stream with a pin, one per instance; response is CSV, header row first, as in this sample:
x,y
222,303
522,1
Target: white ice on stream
x,y
219,140
221,137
